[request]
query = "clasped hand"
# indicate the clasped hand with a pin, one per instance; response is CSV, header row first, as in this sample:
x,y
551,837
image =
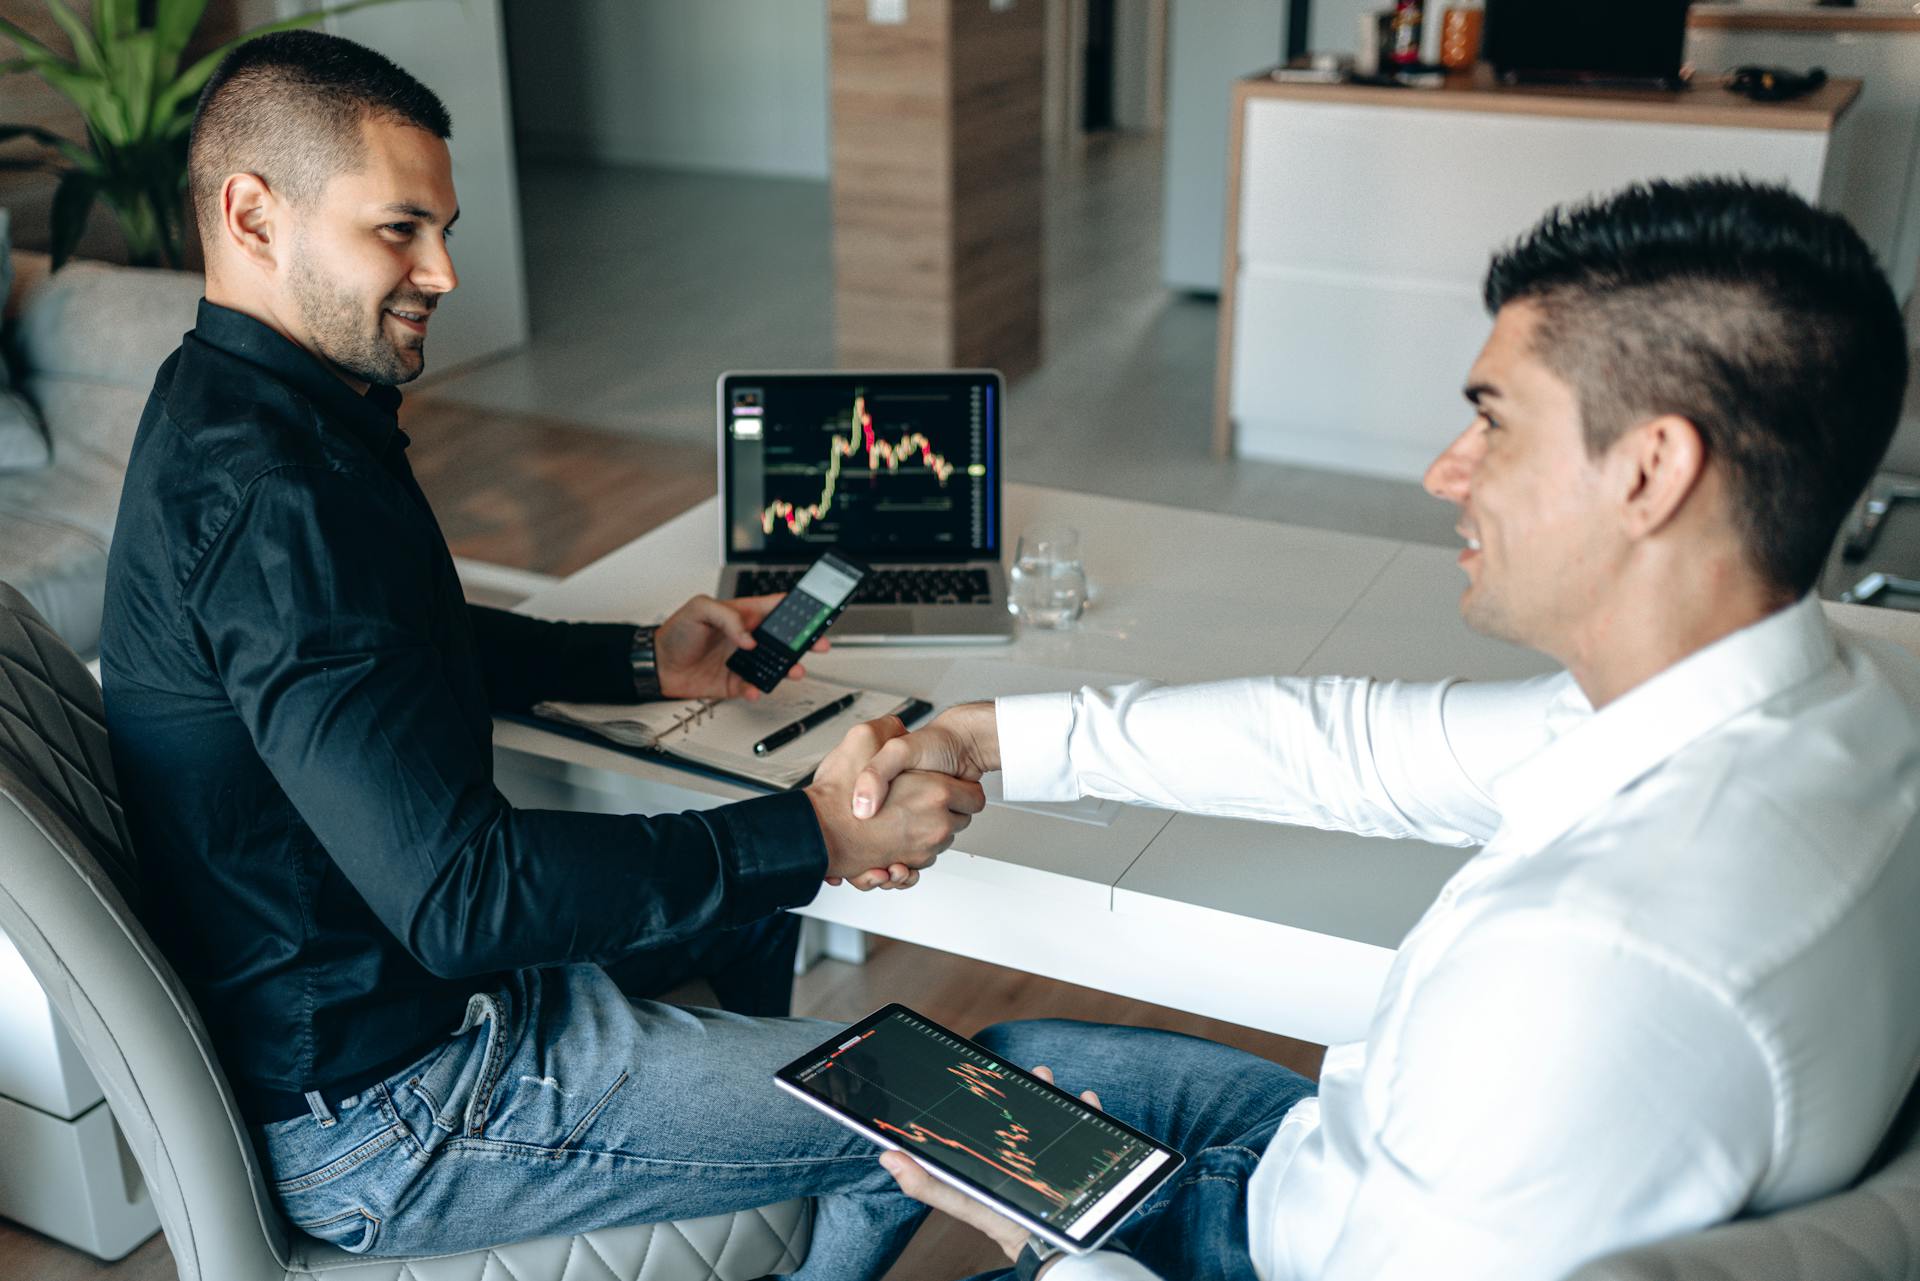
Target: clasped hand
x,y
879,837
889,847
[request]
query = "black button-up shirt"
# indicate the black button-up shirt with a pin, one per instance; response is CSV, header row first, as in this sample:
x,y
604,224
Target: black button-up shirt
x,y
299,705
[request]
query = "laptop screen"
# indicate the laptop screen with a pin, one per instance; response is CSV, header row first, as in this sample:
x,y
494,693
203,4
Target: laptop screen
x,y
1620,38
885,466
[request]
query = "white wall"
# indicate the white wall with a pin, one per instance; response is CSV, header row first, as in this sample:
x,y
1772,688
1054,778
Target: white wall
x,y
1213,42
1132,46
454,48
736,86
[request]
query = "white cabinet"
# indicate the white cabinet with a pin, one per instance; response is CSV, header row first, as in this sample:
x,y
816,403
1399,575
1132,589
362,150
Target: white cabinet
x,y
1364,223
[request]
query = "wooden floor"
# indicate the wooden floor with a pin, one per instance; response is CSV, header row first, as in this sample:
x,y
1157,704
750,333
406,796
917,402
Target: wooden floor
x,y
543,495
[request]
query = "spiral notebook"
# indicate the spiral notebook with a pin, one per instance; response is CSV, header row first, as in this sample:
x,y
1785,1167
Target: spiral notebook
x,y
719,734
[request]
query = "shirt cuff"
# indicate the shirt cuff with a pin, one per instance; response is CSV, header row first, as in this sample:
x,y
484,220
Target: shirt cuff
x,y
773,848
1036,747
646,672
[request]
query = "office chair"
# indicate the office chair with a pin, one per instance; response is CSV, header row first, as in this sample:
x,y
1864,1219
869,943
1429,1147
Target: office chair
x,y
68,876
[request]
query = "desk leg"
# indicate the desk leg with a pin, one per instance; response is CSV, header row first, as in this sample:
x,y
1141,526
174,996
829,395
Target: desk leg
x,y
830,940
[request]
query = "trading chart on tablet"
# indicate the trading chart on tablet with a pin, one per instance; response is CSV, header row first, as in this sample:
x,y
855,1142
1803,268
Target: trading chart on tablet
x,y
939,1098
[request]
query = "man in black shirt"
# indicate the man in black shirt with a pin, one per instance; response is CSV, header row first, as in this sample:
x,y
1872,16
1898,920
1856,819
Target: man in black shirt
x,y
407,978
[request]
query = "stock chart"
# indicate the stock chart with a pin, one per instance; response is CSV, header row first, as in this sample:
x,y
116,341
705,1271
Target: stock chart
x,y
938,1099
861,464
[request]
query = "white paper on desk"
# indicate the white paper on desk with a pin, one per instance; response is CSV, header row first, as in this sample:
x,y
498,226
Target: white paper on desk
x,y
725,739
721,733
970,679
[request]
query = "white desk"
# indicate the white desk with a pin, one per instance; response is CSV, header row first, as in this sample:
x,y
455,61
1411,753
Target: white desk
x,y
1282,928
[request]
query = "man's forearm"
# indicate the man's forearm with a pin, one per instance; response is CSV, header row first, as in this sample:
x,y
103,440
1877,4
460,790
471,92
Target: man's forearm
x,y
546,887
527,660
1294,750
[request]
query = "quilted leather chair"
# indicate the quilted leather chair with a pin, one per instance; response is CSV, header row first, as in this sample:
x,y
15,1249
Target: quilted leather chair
x,y
67,877
1870,1232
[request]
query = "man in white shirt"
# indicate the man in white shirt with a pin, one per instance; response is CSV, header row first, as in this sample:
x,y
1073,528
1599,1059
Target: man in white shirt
x,y
1679,981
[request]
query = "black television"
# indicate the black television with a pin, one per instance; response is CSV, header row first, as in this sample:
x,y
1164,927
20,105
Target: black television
x,y
1636,42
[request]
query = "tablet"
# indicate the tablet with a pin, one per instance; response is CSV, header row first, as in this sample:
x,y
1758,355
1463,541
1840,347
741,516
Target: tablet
x,y
1061,1168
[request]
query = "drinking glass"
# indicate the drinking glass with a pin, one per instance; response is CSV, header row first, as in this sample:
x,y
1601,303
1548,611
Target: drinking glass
x,y
1049,581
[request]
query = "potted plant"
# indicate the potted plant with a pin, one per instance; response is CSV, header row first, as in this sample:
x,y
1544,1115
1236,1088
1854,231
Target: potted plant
x,y
124,75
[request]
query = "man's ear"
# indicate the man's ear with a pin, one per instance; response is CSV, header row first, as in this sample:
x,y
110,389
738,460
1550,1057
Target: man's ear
x,y
253,219
1658,464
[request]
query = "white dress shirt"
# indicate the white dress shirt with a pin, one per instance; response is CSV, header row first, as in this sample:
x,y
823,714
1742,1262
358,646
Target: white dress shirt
x,y
1681,981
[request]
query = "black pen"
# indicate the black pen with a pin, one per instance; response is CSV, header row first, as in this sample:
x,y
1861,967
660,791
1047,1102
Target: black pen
x,y
814,719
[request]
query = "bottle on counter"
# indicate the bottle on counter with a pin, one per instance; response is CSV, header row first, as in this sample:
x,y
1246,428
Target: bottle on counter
x,y
1408,18
1460,30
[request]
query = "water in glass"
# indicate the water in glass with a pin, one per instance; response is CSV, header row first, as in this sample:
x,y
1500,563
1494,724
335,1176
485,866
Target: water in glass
x,y
1049,582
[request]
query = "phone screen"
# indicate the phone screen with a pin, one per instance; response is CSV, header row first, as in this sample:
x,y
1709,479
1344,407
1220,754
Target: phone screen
x,y
798,620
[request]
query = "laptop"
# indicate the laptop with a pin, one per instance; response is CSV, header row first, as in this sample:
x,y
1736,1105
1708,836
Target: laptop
x,y
900,471
1620,42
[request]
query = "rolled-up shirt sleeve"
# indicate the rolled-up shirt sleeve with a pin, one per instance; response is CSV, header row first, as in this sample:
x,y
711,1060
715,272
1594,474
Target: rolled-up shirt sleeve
x,y
349,705
1351,754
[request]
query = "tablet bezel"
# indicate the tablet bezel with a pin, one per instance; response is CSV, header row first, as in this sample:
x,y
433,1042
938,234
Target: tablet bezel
x,y
786,1079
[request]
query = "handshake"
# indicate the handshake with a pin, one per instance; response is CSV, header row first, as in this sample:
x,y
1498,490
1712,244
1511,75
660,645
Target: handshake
x,y
890,802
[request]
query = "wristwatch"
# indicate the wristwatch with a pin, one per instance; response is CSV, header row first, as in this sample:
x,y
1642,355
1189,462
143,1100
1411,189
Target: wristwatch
x,y
1037,1255
646,672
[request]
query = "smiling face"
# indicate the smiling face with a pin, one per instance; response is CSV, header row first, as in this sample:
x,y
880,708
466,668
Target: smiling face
x,y
1543,541
369,261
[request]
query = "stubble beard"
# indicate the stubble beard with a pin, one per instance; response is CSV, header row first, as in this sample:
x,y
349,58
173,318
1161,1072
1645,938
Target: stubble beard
x,y
337,325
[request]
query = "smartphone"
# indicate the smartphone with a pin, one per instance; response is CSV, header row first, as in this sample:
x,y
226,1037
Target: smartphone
x,y
798,621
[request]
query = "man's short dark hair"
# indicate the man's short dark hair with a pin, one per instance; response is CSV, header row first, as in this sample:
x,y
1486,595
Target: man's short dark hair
x,y
1742,308
289,106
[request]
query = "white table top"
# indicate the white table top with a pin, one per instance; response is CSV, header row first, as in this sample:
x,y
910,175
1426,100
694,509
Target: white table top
x,y
1181,596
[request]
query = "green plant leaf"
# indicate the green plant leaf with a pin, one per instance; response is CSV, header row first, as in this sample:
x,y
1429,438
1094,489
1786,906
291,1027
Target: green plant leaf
x,y
190,82
86,51
45,137
133,80
32,49
173,25
114,18
72,150
72,203
82,88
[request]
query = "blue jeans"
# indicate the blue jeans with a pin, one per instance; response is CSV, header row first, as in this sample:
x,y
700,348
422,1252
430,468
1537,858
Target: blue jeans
x,y
1217,1105
560,1106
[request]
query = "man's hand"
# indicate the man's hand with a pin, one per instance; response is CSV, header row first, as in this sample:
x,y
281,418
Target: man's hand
x,y
923,813
963,741
691,648
929,1191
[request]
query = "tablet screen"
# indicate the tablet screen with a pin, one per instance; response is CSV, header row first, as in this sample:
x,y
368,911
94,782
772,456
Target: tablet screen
x,y
949,1103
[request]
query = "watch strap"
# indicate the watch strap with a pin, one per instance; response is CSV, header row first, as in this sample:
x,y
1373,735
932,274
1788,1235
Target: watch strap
x,y
646,668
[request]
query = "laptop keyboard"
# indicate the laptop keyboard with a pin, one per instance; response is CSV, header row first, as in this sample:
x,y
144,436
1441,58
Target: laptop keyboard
x,y
929,586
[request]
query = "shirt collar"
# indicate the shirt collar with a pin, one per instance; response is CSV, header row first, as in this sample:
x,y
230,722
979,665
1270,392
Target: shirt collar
x,y
1595,755
374,417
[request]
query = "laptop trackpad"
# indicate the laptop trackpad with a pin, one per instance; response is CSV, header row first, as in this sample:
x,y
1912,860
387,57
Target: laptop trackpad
x,y
870,621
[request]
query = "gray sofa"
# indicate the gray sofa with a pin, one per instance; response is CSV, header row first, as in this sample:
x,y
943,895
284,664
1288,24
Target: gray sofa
x,y
83,345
